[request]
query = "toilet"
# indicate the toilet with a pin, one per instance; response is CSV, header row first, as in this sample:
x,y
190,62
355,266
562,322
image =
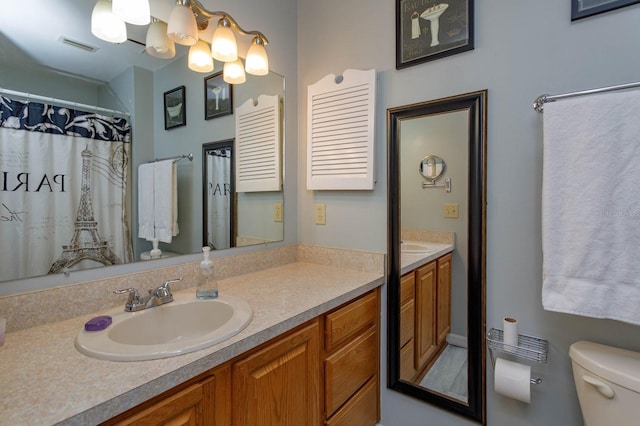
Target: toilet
x,y
608,383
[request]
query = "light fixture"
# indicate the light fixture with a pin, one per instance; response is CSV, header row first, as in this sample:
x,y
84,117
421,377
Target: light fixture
x,y
233,72
182,27
135,12
186,19
105,25
200,59
223,43
158,43
257,62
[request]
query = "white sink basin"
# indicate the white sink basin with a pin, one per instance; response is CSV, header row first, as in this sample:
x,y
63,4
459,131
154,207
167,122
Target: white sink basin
x,y
416,247
185,325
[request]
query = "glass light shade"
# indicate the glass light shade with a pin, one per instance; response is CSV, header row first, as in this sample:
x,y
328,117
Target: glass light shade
x,y
257,61
234,72
182,27
223,44
158,44
135,12
105,25
200,59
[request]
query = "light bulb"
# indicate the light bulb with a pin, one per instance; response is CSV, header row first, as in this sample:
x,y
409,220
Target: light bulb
x,y
105,25
182,27
234,72
158,44
223,43
257,61
200,59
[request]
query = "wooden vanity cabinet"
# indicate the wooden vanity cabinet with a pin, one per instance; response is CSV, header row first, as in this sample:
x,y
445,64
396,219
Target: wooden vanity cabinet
x,y
325,371
425,316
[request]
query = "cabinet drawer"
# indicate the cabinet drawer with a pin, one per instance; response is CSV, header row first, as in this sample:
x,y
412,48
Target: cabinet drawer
x,y
344,323
361,410
407,287
350,368
407,318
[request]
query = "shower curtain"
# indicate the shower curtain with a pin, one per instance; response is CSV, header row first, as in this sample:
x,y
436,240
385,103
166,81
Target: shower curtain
x,y
219,198
63,189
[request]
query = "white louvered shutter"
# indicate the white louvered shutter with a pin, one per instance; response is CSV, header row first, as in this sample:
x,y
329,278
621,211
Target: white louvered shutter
x,y
340,132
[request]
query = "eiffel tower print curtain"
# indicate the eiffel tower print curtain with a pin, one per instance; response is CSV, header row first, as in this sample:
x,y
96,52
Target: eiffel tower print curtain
x,y
63,189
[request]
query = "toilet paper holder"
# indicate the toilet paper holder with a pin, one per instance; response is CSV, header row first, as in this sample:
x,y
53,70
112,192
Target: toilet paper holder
x,y
529,347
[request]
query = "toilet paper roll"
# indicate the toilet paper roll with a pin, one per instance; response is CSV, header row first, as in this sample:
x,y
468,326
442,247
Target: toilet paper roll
x,y
513,380
510,334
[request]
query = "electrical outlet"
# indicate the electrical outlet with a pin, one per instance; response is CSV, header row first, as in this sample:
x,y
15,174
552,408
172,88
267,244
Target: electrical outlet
x,y
277,212
450,211
321,214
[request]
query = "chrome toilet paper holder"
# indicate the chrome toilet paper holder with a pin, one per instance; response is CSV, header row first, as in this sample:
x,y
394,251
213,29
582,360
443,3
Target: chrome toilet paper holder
x,y
529,347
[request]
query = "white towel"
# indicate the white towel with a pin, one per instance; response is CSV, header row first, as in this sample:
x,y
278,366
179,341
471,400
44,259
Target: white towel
x,y
146,202
166,200
591,206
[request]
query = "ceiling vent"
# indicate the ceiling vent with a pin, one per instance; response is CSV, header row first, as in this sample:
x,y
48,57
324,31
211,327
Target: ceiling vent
x,y
77,44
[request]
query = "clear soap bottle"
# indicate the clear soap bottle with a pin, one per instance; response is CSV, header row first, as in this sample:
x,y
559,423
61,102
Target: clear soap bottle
x,y
207,287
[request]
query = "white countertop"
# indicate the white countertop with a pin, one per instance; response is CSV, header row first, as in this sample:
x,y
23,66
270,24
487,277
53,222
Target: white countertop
x,y
45,380
411,261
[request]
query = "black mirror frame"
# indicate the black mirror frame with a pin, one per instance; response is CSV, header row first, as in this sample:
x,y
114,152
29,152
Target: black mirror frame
x,y
212,146
476,104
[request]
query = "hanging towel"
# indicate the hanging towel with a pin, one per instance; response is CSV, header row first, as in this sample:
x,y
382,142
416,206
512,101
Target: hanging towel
x,y
166,200
146,202
591,206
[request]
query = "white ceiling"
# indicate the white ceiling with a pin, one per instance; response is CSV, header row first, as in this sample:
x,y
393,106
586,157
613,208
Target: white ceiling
x,y
31,30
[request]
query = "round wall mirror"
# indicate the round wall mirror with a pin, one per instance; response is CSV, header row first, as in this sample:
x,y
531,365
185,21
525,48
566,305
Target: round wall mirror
x,y
432,167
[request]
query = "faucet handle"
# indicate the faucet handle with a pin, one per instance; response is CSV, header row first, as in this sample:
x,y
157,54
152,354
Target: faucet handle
x,y
163,293
134,298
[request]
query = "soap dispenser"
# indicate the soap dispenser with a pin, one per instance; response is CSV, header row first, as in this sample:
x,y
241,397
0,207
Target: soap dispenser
x,y
207,287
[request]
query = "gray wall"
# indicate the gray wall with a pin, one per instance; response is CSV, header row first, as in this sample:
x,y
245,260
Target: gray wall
x,y
523,49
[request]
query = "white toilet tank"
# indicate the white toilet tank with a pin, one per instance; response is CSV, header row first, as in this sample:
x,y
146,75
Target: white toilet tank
x,y
608,384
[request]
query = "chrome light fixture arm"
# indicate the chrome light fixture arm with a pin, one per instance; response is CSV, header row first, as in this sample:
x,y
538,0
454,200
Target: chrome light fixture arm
x,y
201,10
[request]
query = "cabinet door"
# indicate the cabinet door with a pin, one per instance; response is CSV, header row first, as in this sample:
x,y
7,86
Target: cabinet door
x,y
443,320
279,385
189,407
425,332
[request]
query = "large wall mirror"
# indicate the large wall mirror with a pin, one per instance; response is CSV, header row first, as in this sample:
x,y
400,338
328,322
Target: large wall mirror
x,y
436,314
120,77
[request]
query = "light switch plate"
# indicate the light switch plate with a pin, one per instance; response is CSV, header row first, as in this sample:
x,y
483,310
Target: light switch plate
x,y
450,211
277,212
321,214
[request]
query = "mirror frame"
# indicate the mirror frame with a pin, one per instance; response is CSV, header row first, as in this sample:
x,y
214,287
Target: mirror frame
x,y
212,146
476,104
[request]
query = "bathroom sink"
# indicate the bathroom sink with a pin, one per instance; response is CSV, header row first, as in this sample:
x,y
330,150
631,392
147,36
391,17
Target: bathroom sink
x,y
416,247
185,325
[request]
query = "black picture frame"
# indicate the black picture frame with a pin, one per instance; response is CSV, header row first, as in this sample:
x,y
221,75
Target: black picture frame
x,y
583,8
175,108
417,21
218,97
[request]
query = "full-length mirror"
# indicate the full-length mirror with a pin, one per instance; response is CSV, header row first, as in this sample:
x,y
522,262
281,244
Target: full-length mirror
x,y
436,238
35,63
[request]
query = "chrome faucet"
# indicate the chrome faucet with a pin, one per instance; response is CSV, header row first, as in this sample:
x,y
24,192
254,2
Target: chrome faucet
x,y
156,297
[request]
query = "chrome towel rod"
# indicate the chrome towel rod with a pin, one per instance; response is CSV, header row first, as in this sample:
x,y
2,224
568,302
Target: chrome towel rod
x,y
538,104
189,156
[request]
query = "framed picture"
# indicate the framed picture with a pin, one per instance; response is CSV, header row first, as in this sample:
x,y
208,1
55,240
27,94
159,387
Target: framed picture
x,y
218,97
430,29
583,8
175,108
